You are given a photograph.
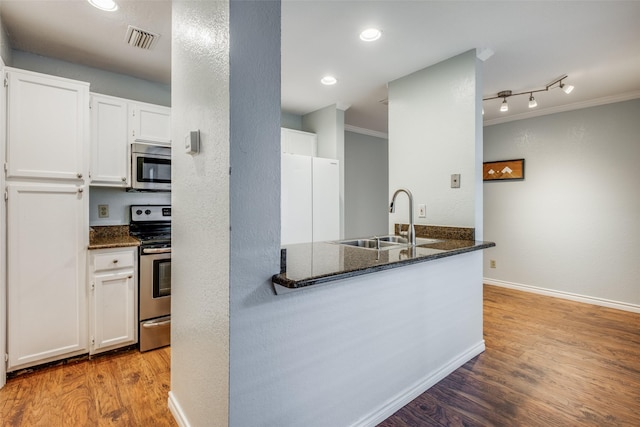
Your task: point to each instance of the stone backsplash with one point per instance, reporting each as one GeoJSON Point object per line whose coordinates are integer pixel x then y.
{"type": "Point", "coordinates": [439, 232]}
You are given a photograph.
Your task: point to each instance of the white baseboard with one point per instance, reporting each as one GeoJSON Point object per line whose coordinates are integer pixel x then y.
{"type": "Point", "coordinates": [634, 308]}
{"type": "Point", "coordinates": [400, 400]}
{"type": "Point", "coordinates": [177, 412]}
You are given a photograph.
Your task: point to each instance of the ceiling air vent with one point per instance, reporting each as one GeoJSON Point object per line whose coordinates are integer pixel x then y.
{"type": "Point", "coordinates": [137, 37]}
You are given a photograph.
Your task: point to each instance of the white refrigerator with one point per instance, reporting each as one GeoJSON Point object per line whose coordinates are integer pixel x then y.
{"type": "Point", "coordinates": [310, 199]}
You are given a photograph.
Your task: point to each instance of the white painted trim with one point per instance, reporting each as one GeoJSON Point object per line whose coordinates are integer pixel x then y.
{"type": "Point", "coordinates": [177, 412]}
{"type": "Point", "coordinates": [618, 305]}
{"type": "Point", "coordinates": [363, 131]}
{"type": "Point", "coordinates": [3, 237]}
{"type": "Point", "coordinates": [400, 400]}
{"type": "Point", "coordinates": [568, 107]}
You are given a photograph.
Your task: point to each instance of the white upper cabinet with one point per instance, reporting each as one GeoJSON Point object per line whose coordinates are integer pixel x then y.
{"type": "Point", "coordinates": [47, 126]}
{"type": "Point", "coordinates": [109, 144]}
{"type": "Point", "coordinates": [298, 142]}
{"type": "Point", "coordinates": [149, 123]}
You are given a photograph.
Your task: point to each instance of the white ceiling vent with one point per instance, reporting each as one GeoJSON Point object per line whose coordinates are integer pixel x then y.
{"type": "Point", "coordinates": [138, 37]}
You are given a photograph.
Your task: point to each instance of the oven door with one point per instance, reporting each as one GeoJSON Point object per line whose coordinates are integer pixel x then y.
{"type": "Point", "coordinates": [155, 283]}
{"type": "Point", "coordinates": [150, 172]}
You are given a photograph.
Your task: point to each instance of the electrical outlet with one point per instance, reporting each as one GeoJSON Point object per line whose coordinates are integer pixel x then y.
{"type": "Point", "coordinates": [422, 211]}
{"type": "Point", "coordinates": [455, 180]}
{"type": "Point", "coordinates": [103, 211]}
{"type": "Point", "coordinates": [492, 263]}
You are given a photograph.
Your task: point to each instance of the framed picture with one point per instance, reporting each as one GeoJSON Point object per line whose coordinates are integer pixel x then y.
{"type": "Point", "coordinates": [503, 170]}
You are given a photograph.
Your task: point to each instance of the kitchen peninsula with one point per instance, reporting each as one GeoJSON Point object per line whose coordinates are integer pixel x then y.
{"type": "Point", "coordinates": [310, 264]}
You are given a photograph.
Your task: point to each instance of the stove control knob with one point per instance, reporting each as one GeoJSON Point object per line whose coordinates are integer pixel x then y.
{"type": "Point", "coordinates": [138, 212]}
{"type": "Point", "coordinates": [148, 211]}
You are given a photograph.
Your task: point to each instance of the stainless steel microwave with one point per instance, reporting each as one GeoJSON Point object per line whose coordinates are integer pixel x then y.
{"type": "Point", "coordinates": [150, 167]}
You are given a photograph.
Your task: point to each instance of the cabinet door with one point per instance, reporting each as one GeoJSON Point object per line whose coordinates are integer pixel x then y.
{"type": "Point", "coordinates": [150, 123]}
{"type": "Point", "coordinates": [295, 200]}
{"type": "Point", "coordinates": [113, 306]}
{"type": "Point", "coordinates": [47, 238]}
{"type": "Point", "coordinates": [298, 142]}
{"type": "Point", "coordinates": [109, 144]}
{"type": "Point", "coordinates": [47, 130]}
{"type": "Point", "coordinates": [326, 199]}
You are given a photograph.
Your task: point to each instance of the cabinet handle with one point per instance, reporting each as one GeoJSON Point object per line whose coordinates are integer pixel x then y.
{"type": "Point", "coordinates": [115, 261]}
{"type": "Point", "coordinates": [130, 277]}
{"type": "Point", "coordinates": [79, 175]}
{"type": "Point", "coordinates": [80, 190]}
{"type": "Point", "coordinates": [124, 179]}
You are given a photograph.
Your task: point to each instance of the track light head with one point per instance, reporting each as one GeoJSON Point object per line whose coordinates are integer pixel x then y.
{"type": "Point", "coordinates": [532, 101]}
{"type": "Point", "coordinates": [504, 107]}
{"type": "Point", "coordinates": [566, 88]}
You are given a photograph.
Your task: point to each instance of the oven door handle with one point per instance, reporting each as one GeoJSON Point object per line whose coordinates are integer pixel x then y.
{"type": "Point", "coordinates": [156, 250]}
{"type": "Point", "coordinates": [156, 324]}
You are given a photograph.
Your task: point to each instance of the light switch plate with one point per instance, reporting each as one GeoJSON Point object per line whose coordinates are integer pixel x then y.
{"type": "Point", "coordinates": [422, 211]}
{"type": "Point", "coordinates": [455, 180]}
{"type": "Point", "coordinates": [192, 142]}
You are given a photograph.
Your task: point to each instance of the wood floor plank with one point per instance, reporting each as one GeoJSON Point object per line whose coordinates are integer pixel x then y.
{"type": "Point", "coordinates": [128, 389]}
{"type": "Point", "coordinates": [548, 362]}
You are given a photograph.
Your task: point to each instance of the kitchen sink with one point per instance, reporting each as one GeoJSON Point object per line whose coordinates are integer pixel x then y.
{"type": "Point", "coordinates": [394, 239]}
{"type": "Point", "coordinates": [404, 241]}
{"type": "Point", "coordinates": [368, 244]}
{"type": "Point", "coordinates": [385, 242]}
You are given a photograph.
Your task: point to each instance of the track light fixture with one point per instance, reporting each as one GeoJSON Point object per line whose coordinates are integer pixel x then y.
{"type": "Point", "coordinates": [532, 101]}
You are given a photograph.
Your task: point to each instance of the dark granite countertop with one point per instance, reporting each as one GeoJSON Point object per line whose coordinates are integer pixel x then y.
{"type": "Point", "coordinates": [111, 236]}
{"type": "Point", "coordinates": [309, 264]}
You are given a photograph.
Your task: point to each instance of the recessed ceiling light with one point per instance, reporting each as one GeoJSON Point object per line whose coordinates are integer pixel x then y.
{"type": "Point", "coordinates": [370, 35]}
{"type": "Point", "coordinates": [108, 5]}
{"type": "Point", "coordinates": [328, 80]}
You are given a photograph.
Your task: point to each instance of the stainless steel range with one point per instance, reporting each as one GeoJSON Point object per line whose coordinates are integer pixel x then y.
{"type": "Point", "coordinates": [152, 225]}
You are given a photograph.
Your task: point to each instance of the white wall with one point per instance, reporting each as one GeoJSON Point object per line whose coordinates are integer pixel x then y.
{"type": "Point", "coordinates": [328, 124]}
{"type": "Point", "coordinates": [366, 170]}
{"type": "Point", "coordinates": [200, 216]}
{"type": "Point", "coordinates": [433, 131]}
{"type": "Point", "coordinates": [119, 201]}
{"type": "Point", "coordinates": [572, 225]}
{"type": "Point", "coordinates": [353, 352]}
{"type": "Point", "coordinates": [105, 82]}
{"type": "Point", "coordinates": [291, 121]}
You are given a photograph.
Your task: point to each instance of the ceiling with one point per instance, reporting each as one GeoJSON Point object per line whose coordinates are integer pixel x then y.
{"type": "Point", "coordinates": [595, 43]}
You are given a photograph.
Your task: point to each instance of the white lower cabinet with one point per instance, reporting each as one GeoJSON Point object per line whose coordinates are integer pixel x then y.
{"type": "Point", "coordinates": [47, 236]}
{"type": "Point", "coordinates": [113, 316]}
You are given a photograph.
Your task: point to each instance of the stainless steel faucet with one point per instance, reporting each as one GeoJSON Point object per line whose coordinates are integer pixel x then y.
{"type": "Point", "coordinates": [411, 233]}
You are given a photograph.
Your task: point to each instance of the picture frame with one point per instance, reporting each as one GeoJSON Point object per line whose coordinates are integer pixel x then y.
{"type": "Point", "coordinates": [503, 170]}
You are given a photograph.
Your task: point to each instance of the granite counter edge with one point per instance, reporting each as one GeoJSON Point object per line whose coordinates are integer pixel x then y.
{"type": "Point", "coordinates": [283, 285]}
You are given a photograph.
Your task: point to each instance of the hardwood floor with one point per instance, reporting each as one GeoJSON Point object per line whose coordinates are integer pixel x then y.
{"type": "Point", "coordinates": [548, 362]}
{"type": "Point", "coordinates": [126, 389]}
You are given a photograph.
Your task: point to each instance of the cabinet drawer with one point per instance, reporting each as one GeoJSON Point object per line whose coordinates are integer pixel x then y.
{"type": "Point", "coordinates": [114, 260]}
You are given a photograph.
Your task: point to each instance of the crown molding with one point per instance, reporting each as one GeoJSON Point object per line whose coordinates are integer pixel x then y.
{"type": "Point", "coordinates": [563, 108]}
{"type": "Point", "coordinates": [364, 131]}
